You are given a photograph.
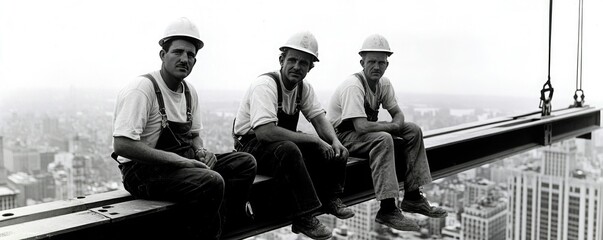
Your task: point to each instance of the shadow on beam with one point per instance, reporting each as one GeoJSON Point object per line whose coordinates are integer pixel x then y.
{"type": "Point", "coordinates": [450, 150]}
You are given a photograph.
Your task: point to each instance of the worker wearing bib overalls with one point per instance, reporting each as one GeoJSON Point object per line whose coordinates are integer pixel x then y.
{"type": "Point", "coordinates": [353, 111]}
{"type": "Point", "coordinates": [161, 156]}
{"type": "Point", "coordinates": [312, 168]}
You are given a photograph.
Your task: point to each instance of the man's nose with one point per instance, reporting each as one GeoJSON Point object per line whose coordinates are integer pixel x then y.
{"type": "Point", "coordinates": [296, 66]}
{"type": "Point", "coordinates": [184, 58]}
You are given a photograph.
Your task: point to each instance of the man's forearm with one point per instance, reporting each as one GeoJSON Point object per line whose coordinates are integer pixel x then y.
{"type": "Point", "coordinates": [197, 141]}
{"type": "Point", "coordinates": [138, 151]}
{"type": "Point", "coordinates": [272, 133]}
{"type": "Point", "coordinates": [362, 125]}
{"type": "Point", "coordinates": [324, 129]}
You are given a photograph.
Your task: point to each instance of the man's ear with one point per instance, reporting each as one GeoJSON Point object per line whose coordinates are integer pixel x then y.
{"type": "Point", "coordinates": [280, 60]}
{"type": "Point", "coordinates": [362, 62]}
{"type": "Point", "coordinates": [161, 54]}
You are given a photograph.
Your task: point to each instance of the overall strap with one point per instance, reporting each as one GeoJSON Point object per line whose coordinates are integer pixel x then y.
{"type": "Point", "coordinates": [187, 95]}
{"type": "Point", "coordinates": [164, 120]}
{"type": "Point", "coordinates": [366, 88]}
{"type": "Point", "coordinates": [274, 77]}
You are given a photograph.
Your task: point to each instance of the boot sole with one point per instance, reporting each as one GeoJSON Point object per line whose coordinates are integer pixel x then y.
{"type": "Point", "coordinates": [431, 215]}
{"type": "Point", "coordinates": [344, 216]}
{"type": "Point", "coordinates": [414, 229]}
{"type": "Point", "coordinates": [297, 231]}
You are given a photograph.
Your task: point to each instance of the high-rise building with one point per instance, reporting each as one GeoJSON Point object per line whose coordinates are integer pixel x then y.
{"type": "Point", "coordinates": [485, 219]}
{"type": "Point", "coordinates": [25, 160]}
{"type": "Point", "coordinates": [30, 189]}
{"type": "Point", "coordinates": [46, 158]}
{"type": "Point", "coordinates": [342, 233]}
{"type": "Point", "coordinates": [453, 196]}
{"type": "Point", "coordinates": [8, 195]}
{"type": "Point", "coordinates": [81, 175]}
{"type": "Point", "coordinates": [555, 201]}
{"type": "Point", "coordinates": [476, 189]}
{"type": "Point", "coordinates": [363, 223]}
{"type": "Point", "coordinates": [452, 232]}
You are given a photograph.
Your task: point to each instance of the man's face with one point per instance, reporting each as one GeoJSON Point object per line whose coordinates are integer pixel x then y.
{"type": "Point", "coordinates": [179, 60]}
{"type": "Point", "coordinates": [374, 65]}
{"type": "Point", "coordinates": [295, 65]}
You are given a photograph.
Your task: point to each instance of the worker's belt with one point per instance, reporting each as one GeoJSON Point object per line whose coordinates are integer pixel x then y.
{"type": "Point", "coordinates": [345, 125]}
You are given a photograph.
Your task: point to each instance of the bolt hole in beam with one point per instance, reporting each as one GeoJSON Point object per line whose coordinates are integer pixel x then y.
{"type": "Point", "coordinates": [105, 207]}
{"type": "Point", "coordinates": [7, 214]}
{"type": "Point", "coordinates": [81, 197]}
{"type": "Point", "coordinates": [103, 210]}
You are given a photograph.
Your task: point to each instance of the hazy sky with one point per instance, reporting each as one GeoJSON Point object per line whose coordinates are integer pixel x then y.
{"type": "Point", "coordinates": [487, 47]}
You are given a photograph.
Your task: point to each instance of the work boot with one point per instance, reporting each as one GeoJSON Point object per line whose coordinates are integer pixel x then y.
{"type": "Point", "coordinates": [394, 219]}
{"type": "Point", "coordinates": [422, 206]}
{"type": "Point", "coordinates": [336, 208]}
{"type": "Point", "coordinates": [311, 227]}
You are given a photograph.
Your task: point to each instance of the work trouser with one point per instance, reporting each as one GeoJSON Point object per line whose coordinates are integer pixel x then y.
{"type": "Point", "coordinates": [206, 190]}
{"type": "Point", "coordinates": [299, 169]}
{"type": "Point", "coordinates": [384, 151]}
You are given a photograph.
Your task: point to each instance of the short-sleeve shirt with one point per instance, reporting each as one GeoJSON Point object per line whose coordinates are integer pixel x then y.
{"type": "Point", "coordinates": [137, 114]}
{"type": "Point", "coordinates": [259, 105]}
{"type": "Point", "coordinates": [347, 101]}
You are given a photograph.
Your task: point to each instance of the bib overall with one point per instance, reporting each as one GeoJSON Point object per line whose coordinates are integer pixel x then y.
{"type": "Point", "coordinates": [211, 193]}
{"type": "Point", "coordinates": [301, 170]}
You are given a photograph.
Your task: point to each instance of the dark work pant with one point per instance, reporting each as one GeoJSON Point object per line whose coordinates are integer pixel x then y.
{"type": "Point", "coordinates": [205, 189]}
{"type": "Point", "coordinates": [301, 169]}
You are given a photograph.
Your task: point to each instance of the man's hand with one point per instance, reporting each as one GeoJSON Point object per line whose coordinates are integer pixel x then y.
{"type": "Point", "coordinates": [325, 149]}
{"type": "Point", "coordinates": [198, 164]}
{"type": "Point", "coordinates": [208, 158]}
{"type": "Point", "coordinates": [340, 151]}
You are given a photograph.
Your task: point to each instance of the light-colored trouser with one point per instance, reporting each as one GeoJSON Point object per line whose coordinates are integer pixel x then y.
{"type": "Point", "coordinates": [384, 151]}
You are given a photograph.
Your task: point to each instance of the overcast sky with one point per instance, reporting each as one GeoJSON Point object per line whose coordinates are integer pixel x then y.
{"type": "Point", "coordinates": [486, 47]}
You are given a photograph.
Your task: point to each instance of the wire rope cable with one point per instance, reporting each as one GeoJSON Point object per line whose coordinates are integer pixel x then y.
{"type": "Point", "coordinates": [579, 93]}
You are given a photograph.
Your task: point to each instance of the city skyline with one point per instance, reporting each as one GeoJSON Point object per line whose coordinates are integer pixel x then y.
{"type": "Point", "coordinates": [89, 117]}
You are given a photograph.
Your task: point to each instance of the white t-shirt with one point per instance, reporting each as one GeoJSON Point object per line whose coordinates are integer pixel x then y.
{"type": "Point", "coordinates": [259, 105]}
{"type": "Point", "coordinates": [348, 100]}
{"type": "Point", "coordinates": [137, 111]}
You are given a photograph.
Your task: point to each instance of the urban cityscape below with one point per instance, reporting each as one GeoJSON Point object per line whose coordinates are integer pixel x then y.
{"type": "Point", "coordinates": [58, 148]}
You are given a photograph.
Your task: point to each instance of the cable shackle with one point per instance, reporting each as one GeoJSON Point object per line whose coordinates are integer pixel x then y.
{"type": "Point", "coordinates": [545, 103]}
{"type": "Point", "coordinates": [578, 99]}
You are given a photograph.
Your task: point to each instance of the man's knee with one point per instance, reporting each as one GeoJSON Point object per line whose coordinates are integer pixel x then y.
{"type": "Point", "coordinates": [199, 184]}
{"type": "Point", "coordinates": [383, 139]}
{"type": "Point", "coordinates": [414, 129]}
{"type": "Point", "coordinates": [289, 155]}
{"type": "Point", "coordinates": [247, 164]}
{"type": "Point", "coordinates": [288, 149]}
{"type": "Point", "coordinates": [214, 181]}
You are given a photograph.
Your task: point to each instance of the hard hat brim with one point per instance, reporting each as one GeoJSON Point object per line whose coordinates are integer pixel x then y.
{"type": "Point", "coordinates": [389, 53]}
{"type": "Point", "coordinates": [301, 50]}
{"type": "Point", "coordinates": [199, 44]}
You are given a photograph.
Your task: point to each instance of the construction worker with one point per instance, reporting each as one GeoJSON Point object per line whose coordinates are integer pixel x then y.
{"type": "Point", "coordinates": [353, 111]}
{"type": "Point", "coordinates": [266, 127]}
{"type": "Point", "coordinates": [156, 129]}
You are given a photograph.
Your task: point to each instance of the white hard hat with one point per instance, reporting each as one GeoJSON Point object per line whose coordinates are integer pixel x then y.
{"type": "Point", "coordinates": [303, 41]}
{"type": "Point", "coordinates": [182, 27]}
{"type": "Point", "coordinates": [376, 43]}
